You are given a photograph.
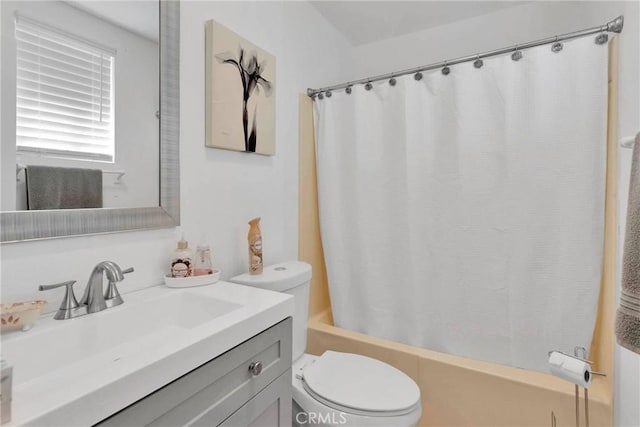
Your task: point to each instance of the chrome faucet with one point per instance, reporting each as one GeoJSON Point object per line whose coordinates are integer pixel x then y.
{"type": "Point", "coordinates": [95, 298]}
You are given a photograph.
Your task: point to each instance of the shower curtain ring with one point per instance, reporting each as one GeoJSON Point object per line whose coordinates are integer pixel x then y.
{"type": "Point", "coordinates": [392, 81]}
{"type": "Point", "coordinates": [417, 76]}
{"type": "Point", "coordinates": [446, 70]}
{"type": "Point", "coordinates": [368, 86]}
{"type": "Point", "coordinates": [557, 46]}
{"type": "Point", "coordinates": [478, 63]}
{"type": "Point", "coordinates": [517, 54]}
{"type": "Point", "coordinates": [602, 38]}
{"type": "Point", "coordinates": [348, 88]}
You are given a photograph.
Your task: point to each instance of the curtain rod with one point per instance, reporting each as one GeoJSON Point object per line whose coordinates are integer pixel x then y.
{"type": "Point", "coordinates": [614, 26]}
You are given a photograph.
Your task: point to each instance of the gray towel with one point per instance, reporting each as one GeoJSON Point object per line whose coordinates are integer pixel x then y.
{"type": "Point", "coordinates": [51, 187]}
{"type": "Point", "coordinates": [628, 316]}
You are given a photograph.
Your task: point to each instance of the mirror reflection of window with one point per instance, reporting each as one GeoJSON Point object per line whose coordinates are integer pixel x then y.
{"type": "Point", "coordinates": [81, 79]}
{"type": "Point", "coordinates": [64, 93]}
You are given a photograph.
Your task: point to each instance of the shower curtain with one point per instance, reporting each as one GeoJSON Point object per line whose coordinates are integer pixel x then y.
{"type": "Point", "coordinates": [465, 213]}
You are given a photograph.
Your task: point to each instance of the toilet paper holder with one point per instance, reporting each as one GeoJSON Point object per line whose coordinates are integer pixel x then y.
{"type": "Point", "coordinates": [583, 359]}
{"type": "Point", "coordinates": [577, 350]}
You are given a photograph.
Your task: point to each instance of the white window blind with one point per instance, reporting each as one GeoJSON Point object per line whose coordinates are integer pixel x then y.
{"type": "Point", "coordinates": [65, 94]}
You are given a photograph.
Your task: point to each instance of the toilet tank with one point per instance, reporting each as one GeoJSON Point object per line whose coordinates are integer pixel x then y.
{"type": "Point", "coordinates": [293, 278]}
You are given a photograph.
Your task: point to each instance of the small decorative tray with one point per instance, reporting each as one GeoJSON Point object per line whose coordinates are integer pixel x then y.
{"type": "Point", "coordinates": [188, 282]}
{"type": "Point", "coordinates": [20, 315]}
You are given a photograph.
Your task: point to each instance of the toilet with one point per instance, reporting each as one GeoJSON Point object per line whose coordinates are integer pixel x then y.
{"type": "Point", "coordinates": [337, 388]}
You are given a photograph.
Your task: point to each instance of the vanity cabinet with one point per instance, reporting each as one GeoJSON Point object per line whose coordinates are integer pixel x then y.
{"type": "Point", "coordinates": [249, 385]}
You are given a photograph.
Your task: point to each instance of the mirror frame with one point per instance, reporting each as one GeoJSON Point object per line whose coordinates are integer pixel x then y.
{"type": "Point", "coordinates": [19, 226]}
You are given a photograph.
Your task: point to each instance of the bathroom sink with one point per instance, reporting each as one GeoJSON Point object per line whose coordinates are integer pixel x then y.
{"type": "Point", "coordinates": [95, 365]}
{"type": "Point", "coordinates": [109, 333]}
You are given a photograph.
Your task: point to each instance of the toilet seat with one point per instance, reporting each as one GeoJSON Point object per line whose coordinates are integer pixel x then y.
{"type": "Point", "coordinates": [360, 385]}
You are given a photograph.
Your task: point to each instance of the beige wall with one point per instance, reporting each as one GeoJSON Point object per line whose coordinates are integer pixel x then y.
{"type": "Point", "coordinates": [457, 391]}
{"type": "Point", "coordinates": [309, 243]}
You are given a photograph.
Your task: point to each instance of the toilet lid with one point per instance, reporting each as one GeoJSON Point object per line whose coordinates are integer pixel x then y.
{"type": "Point", "coordinates": [360, 384]}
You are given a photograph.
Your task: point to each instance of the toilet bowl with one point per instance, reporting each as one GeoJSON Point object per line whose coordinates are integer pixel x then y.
{"type": "Point", "coordinates": [353, 390]}
{"type": "Point", "coordinates": [337, 388]}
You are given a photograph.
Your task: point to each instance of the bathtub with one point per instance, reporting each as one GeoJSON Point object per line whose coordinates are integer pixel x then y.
{"type": "Point", "coordinates": [458, 391]}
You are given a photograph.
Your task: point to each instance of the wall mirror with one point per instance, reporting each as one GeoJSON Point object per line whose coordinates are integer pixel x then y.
{"type": "Point", "coordinates": [90, 117]}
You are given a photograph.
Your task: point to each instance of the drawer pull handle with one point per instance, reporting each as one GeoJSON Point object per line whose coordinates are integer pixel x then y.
{"type": "Point", "coordinates": [255, 368]}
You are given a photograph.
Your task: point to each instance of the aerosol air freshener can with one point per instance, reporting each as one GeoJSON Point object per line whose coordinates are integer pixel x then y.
{"type": "Point", "coordinates": [255, 247]}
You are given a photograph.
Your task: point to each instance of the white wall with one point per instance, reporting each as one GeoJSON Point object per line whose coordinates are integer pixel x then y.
{"type": "Point", "coordinates": [220, 190]}
{"type": "Point", "coordinates": [136, 101]}
{"type": "Point", "coordinates": [519, 24]}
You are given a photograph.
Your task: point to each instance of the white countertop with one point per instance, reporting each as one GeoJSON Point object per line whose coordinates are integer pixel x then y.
{"type": "Point", "coordinates": [78, 372]}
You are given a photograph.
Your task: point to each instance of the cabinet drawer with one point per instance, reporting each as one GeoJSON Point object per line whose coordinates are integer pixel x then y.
{"type": "Point", "coordinates": [217, 388]}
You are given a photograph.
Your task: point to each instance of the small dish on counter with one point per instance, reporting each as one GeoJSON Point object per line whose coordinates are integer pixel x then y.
{"type": "Point", "coordinates": [20, 315]}
{"type": "Point", "coordinates": [188, 282]}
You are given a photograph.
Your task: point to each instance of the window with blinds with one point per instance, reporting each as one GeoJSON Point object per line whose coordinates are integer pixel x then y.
{"type": "Point", "coordinates": [65, 94]}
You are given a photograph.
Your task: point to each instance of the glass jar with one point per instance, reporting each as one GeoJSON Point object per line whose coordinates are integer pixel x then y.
{"type": "Point", "coordinates": [203, 261]}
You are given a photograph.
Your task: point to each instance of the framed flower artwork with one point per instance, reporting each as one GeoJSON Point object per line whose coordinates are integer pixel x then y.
{"type": "Point", "coordinates": [240, 93]}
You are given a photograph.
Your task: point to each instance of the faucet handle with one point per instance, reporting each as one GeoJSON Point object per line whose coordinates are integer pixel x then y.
{"type": "Point", "coordinates": [69, 304]}
{"type": "Point", "coordinates": [68, 284]}
{"type": "Point", "coordinates": [112, 296]}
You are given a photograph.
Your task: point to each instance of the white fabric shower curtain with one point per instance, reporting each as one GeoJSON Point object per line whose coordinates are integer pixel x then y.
{"type": "Point", "coordinates": [465, 213]}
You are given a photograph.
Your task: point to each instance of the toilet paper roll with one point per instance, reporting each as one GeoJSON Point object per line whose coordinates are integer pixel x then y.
{"type": "Point", "coordinates": [570, 368]}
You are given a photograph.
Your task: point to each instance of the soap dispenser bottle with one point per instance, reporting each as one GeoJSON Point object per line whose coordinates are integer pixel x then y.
{"type": "Point", "coordinates": [182, 260]}
{"type": "Point", "coordinates": [255, 247]}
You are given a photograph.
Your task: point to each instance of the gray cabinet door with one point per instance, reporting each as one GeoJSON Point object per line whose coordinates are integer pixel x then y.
{"type": "Point", "coordinates": [216, 389]}
{"type": "Point", "coordinates": [269, 408]}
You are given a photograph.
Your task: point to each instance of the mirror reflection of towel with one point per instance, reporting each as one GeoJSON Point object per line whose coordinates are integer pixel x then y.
{"type": "Point", "coordinates": [51, 187]}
